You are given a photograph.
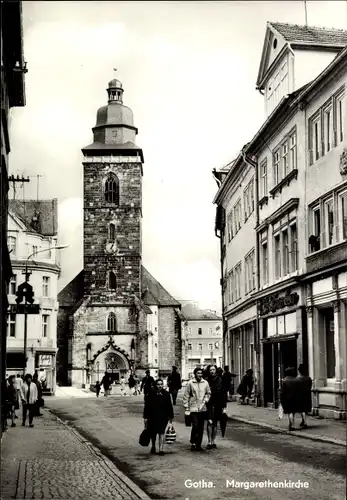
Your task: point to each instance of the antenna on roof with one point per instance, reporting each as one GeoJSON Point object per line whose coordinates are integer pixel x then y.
{"type": "Point", "coordinates": [305, 5]}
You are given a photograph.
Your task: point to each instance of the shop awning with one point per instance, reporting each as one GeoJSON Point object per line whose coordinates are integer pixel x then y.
{"type": "Point", "coordinates": [275, 339]}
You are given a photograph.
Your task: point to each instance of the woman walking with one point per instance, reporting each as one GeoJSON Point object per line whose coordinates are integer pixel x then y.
{"type": "Point", "coordinates": [29, 397]}
{"type": "Point", "coordinates": [215, 406]}
{"type": "Point", "coordinates": [289, 395]}
{"type": "Point", "coordinates": [157, 413]}
{"type": "Point", "coordinates": [11, 399]}
{"type": "Point", "coordinates": [246, 386]}
{"type": "Point", "coordinates": [304, 395]}
{"type": "Point", "coordinates": [39, 395]}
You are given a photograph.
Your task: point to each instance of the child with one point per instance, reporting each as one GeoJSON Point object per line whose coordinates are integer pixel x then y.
{"type": "Point", "coordinates": [97, 388]}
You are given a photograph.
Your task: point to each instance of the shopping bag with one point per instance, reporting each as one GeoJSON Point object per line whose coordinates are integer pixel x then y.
{"type": "Point", "coordinates": [280, 412]}
{"type": "Point", "coordinates": [145, 437]}
{"type": "Point", "coordinates": [170, 436]}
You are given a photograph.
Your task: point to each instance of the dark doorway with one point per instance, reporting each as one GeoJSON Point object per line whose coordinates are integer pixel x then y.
{"type": "Point", "coordinates": [288, 356]}
{"type": "Point", "coordinates": [114, 376]}
{"type": "Point", "coordinates": [270, 373]}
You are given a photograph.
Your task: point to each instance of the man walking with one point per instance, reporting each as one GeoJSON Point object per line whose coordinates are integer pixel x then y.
{"type": "Point", "coordinates": [196, 395]}
{"type": "Point", "coordinates": [29, 397]}
{"type": "Point", "coordinates": [226, 381]}
{"type": "Point", "coordinates": [174, 384]}
{"type": "Point", "coordinates": [147, 383]}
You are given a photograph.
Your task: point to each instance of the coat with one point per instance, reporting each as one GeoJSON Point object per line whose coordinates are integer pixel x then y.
{"type": "Point", "coordinates": [304, 394]}
{"type": "Point", "coordinates": [246, 386]}
{"type": "Point", "coordinates": [174, 381]}
{"type": "Point", "coordinates": [218, 399]}
{"type": "Point", "coordinates": [289, 395]}
{"type": "Point", "coordinates": [196, 395]}
{"type": "Point", "coordinates": [33, 395]}
{"type": "Point", "coordinates": [158, 409]}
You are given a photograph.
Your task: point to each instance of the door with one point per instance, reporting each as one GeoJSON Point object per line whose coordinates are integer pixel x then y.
{"type": "Point", "coordinates": [268, 375]}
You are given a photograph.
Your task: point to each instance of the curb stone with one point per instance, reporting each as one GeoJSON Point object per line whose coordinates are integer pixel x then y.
{"type": "Point", "coordinates": [108, 464]}
{"type": "Point", "coordinates": [305, 435]}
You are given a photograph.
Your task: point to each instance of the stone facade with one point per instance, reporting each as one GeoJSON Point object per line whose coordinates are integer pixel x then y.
{"type": "Point", "coordinates": [105, 316]}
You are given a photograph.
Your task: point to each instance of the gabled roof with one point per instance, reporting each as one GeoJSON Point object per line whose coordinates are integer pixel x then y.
{"type": "Point", "coordinates": [294, 33]}
{"type": "Point", "coordinates": [73, 292]}
{"type": "Point", "coordinates": [295, 36]}
{"type": "Point", "coordinates": [154, 292]}
{"type": "Point", "coordinates": [192, 312]}
{"type": "Point", "coordinates": [47, 210]}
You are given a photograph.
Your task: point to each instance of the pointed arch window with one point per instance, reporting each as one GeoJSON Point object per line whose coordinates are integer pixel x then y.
{"type": "Point", "coordinates": [112, 232]}
{"type": "Point", "coordinates": [112, 189]}
{"type": "Point", "coordinates": [112, 280]}
{"type": "Point", "coordinates": [112, 322]}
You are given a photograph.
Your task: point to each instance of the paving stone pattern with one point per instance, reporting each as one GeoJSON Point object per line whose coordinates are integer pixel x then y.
{"type": "Point", "coordinates": [52, 461]}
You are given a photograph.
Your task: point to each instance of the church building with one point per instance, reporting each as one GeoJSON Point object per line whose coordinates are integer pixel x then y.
{"type": "Point", "coordinates": [114, 317]}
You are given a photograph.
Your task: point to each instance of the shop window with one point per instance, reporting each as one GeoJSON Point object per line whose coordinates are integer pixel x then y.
{"type": "Point", "coordinates": [329, 342]}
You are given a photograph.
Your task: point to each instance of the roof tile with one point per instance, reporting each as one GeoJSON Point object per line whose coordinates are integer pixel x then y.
{"type": "Point", "coordinates": [311, 34]}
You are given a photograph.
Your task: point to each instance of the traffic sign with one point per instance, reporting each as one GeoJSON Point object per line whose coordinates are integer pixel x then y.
{"type": "Point", "coordinates": [25, 308]}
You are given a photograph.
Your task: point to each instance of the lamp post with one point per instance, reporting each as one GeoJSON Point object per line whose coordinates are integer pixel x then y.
{"type": "Point", "coordinates": [27, 273]}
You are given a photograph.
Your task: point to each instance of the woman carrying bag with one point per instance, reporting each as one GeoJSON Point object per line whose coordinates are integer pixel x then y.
{"type": "Point", "coordinates": [157, 413]}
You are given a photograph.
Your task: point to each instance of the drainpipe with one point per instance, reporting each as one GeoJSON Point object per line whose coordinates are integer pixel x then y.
{"type": "Point", "coordinates": [254, 164]}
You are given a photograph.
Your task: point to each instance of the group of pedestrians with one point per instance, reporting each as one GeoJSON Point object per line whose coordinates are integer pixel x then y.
{"type": "Point", "coordinates": [205, 398]}
{"type": "Point", "coordinates": [296, 395]}
{"type": "Point", "coordinates": [26, 392]}
{"type": "Point", "coordinates": [106, 383]}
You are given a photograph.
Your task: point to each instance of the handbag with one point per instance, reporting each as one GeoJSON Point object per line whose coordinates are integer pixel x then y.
{"type": "Point", "coordinates": [170, 436]}
{"type": "Point", "coordinates": [280, 412]}
{"type": "Point", "coordinates": [145, 437]}
{"type": "Point", "coordinates": [188, 420]}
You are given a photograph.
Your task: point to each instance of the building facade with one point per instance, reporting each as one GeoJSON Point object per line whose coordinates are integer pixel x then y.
{"type": "Point", "coordinates": [12, 94]}
{"type": "Point", "coordinates": [106, 319]}
{"type": "Point", "coordinates": [290, 204]}
{"type": "Point", "coordinates": [32, 236]}
{"type": "Point", "coordinates": [202, 338]}
{"type": "Point", "coordinates": [238, 242]}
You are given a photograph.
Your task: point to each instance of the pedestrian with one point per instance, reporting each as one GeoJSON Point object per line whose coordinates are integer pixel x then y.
{"type": "Point", "coordinates": [122, 386]}
{"type": "Point", "coordinates": [97, 388]}
{"type": "Point", "coordinates": [289, 395]}
{"type": "Point", "coordinates": [226, 381]}
{"type": "Point", "coordinates": [36, 381]}
{"type": "Point", "coordinates": [147, 383]}
{"type": "Point", "coordinates": [131, 384]}
{"type": "Point", "coordinates": [304, 394]}
{"type": "Point", "coordinates": [215, 406]}
{"type": "Point", "coordinates": [246, 386]}
{"type": "Point", "coordinates": [136, 386]}
{"type": "Point", "coordinates": [174, 384]}
{"type": "Point", "coordinates": [105, 382]}
{"type": "Point", "coordinates": [220, 372]}
{"type": "Point", "coordinates": [158, 411]}
{"type": "Point", "coordinates": [196, 395]}
{"type": "Point", "coordinates": [11, 400]}
{"type": "Point", "coordinates": [29, 397]}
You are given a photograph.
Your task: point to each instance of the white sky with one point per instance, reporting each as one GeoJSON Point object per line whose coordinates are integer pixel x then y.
{"type": "Point", "coordinates": [189, 71]}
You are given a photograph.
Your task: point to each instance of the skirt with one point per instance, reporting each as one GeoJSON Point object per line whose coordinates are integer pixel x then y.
{"type": "Point", "coordinates": [157, 426]}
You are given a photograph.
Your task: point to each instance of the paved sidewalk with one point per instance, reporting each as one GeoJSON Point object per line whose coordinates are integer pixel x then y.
{"type": "Point", "coordinates": [53, 461]}
{"type": "Point", "coordinates": [319, 429]}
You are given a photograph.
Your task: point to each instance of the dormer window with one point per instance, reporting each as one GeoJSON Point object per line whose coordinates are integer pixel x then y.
{"type": "Point", "coordinates": [112, 189]}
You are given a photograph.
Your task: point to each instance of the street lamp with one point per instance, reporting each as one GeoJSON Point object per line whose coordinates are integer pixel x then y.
{"type": "Point", "coordinates": [27, 274]}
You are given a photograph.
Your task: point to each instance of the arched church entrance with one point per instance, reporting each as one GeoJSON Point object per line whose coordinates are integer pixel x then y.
{"type": "Point", "coordinates": [112, 363]}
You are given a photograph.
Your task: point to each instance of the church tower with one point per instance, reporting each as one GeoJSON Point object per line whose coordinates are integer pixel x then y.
{"type": "Point", "coordinates": [112, 204]}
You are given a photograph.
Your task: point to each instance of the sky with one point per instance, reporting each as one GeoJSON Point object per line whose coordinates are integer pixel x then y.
{"type": "Point", "coordinates": [189, 71]}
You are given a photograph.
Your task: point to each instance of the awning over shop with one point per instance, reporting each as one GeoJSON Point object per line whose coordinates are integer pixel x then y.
{"type": "Point", "coordinates": [275, 339]}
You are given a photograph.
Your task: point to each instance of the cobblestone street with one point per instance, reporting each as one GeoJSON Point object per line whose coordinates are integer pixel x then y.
{"type": "Point", "coordinates": [52, 461]}
{"type": "Point", "coordinates": [247, 453]}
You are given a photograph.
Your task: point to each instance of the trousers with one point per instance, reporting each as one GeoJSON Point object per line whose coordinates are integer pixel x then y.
{"type": "Point", "coordinates": [198, 423]}
{"type": "Point", "coordinates": [28, 408]}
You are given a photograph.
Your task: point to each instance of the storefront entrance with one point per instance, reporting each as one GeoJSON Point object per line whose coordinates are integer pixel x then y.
{"type": "Point", "coordinates": [278, 354]}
